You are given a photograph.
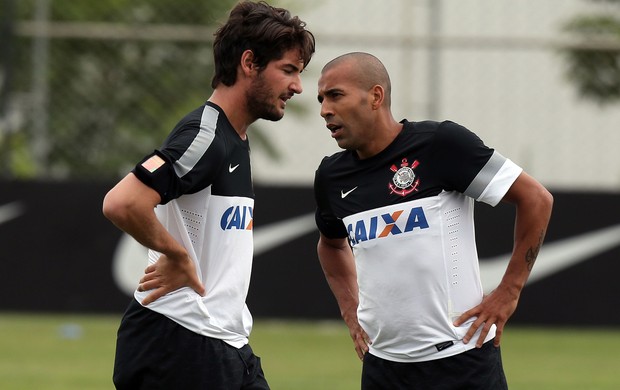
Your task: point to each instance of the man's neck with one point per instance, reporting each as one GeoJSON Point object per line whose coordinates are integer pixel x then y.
{"type": "Point", "coordinates": [233, 105]}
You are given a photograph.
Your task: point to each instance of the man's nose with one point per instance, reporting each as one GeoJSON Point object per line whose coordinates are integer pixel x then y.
{"type": "Point", "coordinates": [325, 109]}
{"type": "Point", "coordinates": [296, 85]}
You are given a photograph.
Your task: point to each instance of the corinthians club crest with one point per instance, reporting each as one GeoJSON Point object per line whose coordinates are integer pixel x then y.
{"type": "Point", "coordinates": [404, 181]}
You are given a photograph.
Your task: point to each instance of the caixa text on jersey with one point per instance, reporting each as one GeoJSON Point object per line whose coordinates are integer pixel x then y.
{"type": "Point", "coordinates": [382, 225]}
{"type": "Point", "coordinates": [237, 217]}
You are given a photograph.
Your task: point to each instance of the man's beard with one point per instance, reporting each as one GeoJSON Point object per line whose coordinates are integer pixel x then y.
{"type": "Point", "coordinates": [259, 101]}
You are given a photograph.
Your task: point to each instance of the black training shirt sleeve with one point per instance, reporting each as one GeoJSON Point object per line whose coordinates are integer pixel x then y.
{"type": "Point", "coordinates": [173, 178]}
{"type": "Point", "coordinates": [159, 175]}
{"type": "Point", "coordinates": [327, 223]}
{"type": "Point", "coordinates": [459, 155]}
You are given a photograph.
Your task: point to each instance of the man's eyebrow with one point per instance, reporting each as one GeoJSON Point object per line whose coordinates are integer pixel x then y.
{"type": "Point", "coordinates": [329, 92]}
{"type": "Point", "coordinates": [292, 66]}
{"type": "Point", "coordinates": [332, 91]}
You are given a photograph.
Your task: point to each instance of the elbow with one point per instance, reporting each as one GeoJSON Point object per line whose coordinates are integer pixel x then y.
{"type": "Point", "coordinates": [547, 200]}
{"type": "Point", "coordinates": [114, 208]}
{"type": "Point", "coordinates": [544, 204]}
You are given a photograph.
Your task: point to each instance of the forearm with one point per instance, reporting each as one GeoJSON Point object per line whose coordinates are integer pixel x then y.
{"type": "Point", "coordinates": [339, 268]}
{"type": "Point", "coordinates": [148, 231]}
{"type": "Point", "coordinates": [533, 210]}
{"type": "Point", "coordinates": [532, 217]}
{"type": "Point", "coordinates": [130, 206]}
{"type": "Point", "coordinates": [338, 265]}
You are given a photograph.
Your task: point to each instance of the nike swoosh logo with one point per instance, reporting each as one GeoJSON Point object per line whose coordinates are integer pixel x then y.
{"type": "Point", "coordinates": [126, 271]}
{"type": "Point", "coordinates": [231, 169]}
{"type": "Point", "coordinates": [11, 211]}
{"type": "Point", "coordinates": [554, 256]}
{"type": "Point", "coordinates": [276, 234]}
{"type": "Point", "coordinates": [344, 194]}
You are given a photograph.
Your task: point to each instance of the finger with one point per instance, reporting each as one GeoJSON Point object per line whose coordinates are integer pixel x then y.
{"type": "Point", "coordinates": [147, 284]}
{"type": "Point", "coordinates": [484, 333]}
{"type": "Point", "coordinates": [360, 353]}
{"type": "Point", "coordinates": [498, 335]}
{"type": "Point", "coordinates": [360, 345]}
{"type": "Point", "coordinates": [364, 346]}
{"type": "Point", "coordinates": [200, 289]}
{"type": "Point", "coordinates": [152, 297]}
{"type": "Point", "coordinates": [472, 331]}
{"type": "Point", "coordinates": [150, 268]}
{"type": "Point", "coordinates": [361, 348]}
{"type": "Point", "coordinates": [466, 316]}
{"type": "Point", "coordinates": [148, 276]}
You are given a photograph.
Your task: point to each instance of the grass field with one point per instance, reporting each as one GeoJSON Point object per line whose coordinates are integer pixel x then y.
{"type": "Point", "coordinates": [66, 352]}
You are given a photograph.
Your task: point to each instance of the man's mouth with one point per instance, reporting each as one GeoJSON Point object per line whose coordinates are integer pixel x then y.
{"type": "Point", "coordinates": [285, 98]}
{"type": "Point", "coordinates": [333, 127]}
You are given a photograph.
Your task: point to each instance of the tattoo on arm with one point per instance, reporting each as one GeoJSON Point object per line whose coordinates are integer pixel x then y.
{"type": "Point", "coordinates": [532, 253]}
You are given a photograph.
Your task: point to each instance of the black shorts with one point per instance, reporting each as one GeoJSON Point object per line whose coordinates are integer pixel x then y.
{"type": "Point", "coordinates": [478, 368]}
{"type": "Point", "coordinates": [154, 352]}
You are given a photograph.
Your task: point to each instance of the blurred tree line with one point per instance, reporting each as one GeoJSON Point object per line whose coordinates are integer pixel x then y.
{"type": "Point", "coordinates": [594, 67]}
{"type": "Point", "coordinates": [88, 87]}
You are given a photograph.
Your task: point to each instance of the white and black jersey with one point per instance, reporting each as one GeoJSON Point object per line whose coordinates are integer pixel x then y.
{"type": "Point", "coordinates": [202, 173]}
{"type": "Point", "coordinates": [408, 215]}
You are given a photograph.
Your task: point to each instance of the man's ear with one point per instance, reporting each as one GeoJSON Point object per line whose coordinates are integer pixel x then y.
{"type": "Point", "coordinates": [377, 94]}
{"type": "Point", "coordinates": [247, 62]}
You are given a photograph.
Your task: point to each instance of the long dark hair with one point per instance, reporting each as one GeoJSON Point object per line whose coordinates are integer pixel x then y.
{"type": "Point", "coordinates": [265, 30]}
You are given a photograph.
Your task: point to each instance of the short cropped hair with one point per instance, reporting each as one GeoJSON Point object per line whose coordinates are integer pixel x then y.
{"type": "Point", "coordinates": [267, 31]}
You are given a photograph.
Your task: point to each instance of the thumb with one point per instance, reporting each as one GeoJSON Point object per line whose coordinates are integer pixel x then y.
{"type": "Point", "coordinates": [199, 288]}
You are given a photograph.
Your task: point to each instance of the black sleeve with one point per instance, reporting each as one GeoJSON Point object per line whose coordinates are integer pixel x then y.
{"type": "Point", "coordinates": [158, 175]}
{"type": "Point", "coordinates": [459, 155]}
{"type": "Point", "coordinates": [326, 221]}
{"type": "Point", "coordinates": [171, 182]}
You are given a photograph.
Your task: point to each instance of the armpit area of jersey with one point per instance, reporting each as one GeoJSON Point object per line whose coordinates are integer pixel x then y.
{"type": "Point", "coordinates": [331, 229]}
{"type": "Point", "coordinates": [157, 172]}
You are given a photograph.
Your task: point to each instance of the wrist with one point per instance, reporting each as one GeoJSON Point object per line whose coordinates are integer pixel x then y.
{"type": "Point", "coordinates": [350, 315]}
{"type": "Point", "coordinates": [512, 288]}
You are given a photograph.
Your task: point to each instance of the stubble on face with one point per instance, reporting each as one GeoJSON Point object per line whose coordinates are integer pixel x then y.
{"type": "Point", "coordinates": [260, 100]}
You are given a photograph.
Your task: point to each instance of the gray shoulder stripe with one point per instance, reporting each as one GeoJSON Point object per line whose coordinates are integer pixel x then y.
{"type": "Point", "coordinates": [486, 174]}
{"type": "Point", "coordinates": [200, 144]}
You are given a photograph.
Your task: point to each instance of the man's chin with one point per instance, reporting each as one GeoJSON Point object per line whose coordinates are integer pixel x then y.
{"type": "Point", "coordinates": [343, 144]}
{"type": "Point", "coordinates": [273, 116]}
